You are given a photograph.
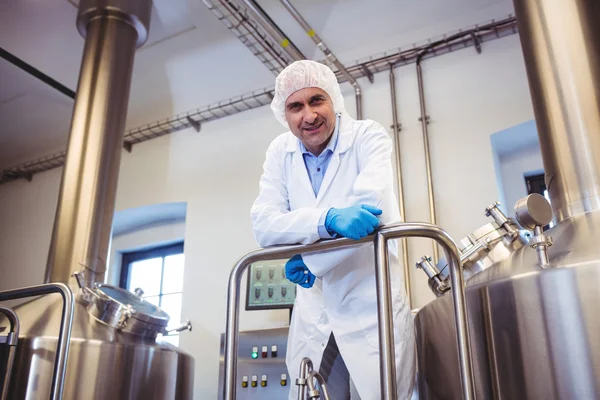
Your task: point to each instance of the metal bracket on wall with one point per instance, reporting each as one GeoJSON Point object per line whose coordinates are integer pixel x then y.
{"type": "Point", "coordinates": [476, 42]}
{"type": "Point", "coordinates": [398, 126]}
{"type": "Point", "coordinates": [195, 124]}
{"type": "Point", "coordinates": [367, 72]}
{"type": "Point", "coordinates": [427, 119]}
{"type": "Point", "coordinates": [128, 146]}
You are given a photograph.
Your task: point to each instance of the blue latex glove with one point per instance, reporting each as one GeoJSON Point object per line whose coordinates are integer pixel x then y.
{"type": "Point", "coordinates": [296, 271]}
{"type": "Point", "coordinates": [353, 222]}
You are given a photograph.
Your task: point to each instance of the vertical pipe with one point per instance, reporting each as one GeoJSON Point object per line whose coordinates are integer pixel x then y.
{"type": "Point", "coordinates": [82, 227]}
{"type": "Point", "coordinates": [561, 48]}
{"type": "Point", "coordinates": [385, 315]}
{"type": "Point", "coordinates": [424, 122]}
{"type": "Point", "coordinates": [330, 56]}
{"type": "Point", "coordinates": [401, 206]}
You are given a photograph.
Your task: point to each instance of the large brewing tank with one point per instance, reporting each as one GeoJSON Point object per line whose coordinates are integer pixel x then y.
{"type": "Point", "coordinates": [113, 351]}
{"type": "Point", "coordinates": [533, 317]}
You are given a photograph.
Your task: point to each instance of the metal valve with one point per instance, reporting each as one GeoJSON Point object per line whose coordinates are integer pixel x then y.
{"type": "Point", "coordinates": [438, 284]}
{"type": "Point", "coordinates": [494, 211]}
{"type": "Point", "coordinates": [184, 326]}
{"type": "Point", "coordinates": [534, 212]}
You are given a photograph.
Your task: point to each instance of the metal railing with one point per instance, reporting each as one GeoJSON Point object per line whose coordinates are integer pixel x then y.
{"type": "Point", "coordinates": [66, 324]}
{"type": "Point", "coordinates": [9, 340]}
{"type": "Point", "coordinates": [384, 300]}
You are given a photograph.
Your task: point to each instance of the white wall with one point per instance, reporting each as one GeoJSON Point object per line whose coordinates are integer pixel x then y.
{"type": "Point", "coordinates": [216, 171]}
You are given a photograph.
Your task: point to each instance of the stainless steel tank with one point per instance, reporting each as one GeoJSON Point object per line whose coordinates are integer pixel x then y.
{"type": "Point", "coordinates": [532, 317]}
{"type": "Point", "coordinates": [97, 341]}
{"type": "Point", "coordinates": [104, 361]}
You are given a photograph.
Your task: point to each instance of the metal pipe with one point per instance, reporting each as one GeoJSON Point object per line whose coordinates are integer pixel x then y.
{"type": "Point", "coordinates": [401, 206]}
{"type": "Point", "coordinates": [306, 366]}
{"type": "Point", "coordinates": [384, 302]}
{"type": "Point", "coordinates": [272, 29]}
{"type": "Point", "coordinates": [11, 58]}
{"type": "Point", "coordinates": [233, 296]}
{"type": "Point", "coordinates": [11, 341]}
{"type": "Point", "coordinates": [385, 316]}
{"type": "Point", "coordinates": [424, 122]}
{"type": "Point", "coordinates": [328, 54]}
{"type": "Point", "coordinates": [561, 48]}
{"type": "Point", "coordinates": [82, 228]}
{"type": "Point", "coordinates": [313, 393]}
{"type": "Point", "coordinates": [66, 325]}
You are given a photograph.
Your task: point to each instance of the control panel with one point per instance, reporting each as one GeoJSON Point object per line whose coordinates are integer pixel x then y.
{"type": "Point", "coordinates": [268, 287]}
{"type": "Point", "coordinates": [261, 370]}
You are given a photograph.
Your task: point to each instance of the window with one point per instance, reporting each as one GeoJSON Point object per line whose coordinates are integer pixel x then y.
{"type": "Point", "coordinates": [537, 184]}
{"type": "Point", "coordinates": [159, 273]}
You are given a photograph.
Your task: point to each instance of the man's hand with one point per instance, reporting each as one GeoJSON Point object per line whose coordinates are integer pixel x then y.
{"type": "Point", "coordinates": [353, 222]}
{"type": "Point", "coordinates": [297, 272]}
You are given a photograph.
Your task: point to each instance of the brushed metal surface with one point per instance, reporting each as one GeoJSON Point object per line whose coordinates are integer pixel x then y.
{"type": "Point", "coordinates": [534, 331]}
{"type": "Point", "coordinates": [102, 364]}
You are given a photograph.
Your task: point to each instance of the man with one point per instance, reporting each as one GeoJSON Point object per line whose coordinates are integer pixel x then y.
{"type": "Point", "coordinates": [331, 176]}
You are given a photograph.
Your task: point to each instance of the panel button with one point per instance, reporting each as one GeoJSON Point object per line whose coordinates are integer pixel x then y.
{"type": "Point", "coordinates": [274, 350]}
{"type": "Point", "coordinates": [254, 381]}
{"type": "Point", "coordinates": [263, 381]}
{"type": "Point", "coordinates": [283, 380]}
{"type": "Point", "coordinates": [255, 353]}
{"type": "Point", "coordinates": [244, 381]}
{"type": "Point", "coordinates": [265, 352]}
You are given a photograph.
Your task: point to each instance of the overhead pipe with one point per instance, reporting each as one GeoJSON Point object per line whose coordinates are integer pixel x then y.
{"type": "Point", "coordinates": [396, 130]}
{"type": "Point", "coordinates": [272, 29]}
{"type": "Point", "coordinates": [424, 122]}
{"type": "Point", "coordinates": [16, 61]}
{"type": "Point", "coordinates": [328, 54]}
{"type": "Point", "coordinates": [113, 29]}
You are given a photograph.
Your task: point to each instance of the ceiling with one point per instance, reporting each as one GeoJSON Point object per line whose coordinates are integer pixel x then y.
{"type": "Point", "coordinates": [191, 59]}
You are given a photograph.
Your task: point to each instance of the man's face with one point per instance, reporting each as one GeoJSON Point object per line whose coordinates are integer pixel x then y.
{"type": "Point", "coordinates": [309, 114]}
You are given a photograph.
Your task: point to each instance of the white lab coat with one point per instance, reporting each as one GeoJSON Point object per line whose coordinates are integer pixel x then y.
{"type": "Point", "coordinates": [343, 298]}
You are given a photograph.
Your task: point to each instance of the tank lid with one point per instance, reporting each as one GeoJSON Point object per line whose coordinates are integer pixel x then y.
{"type": "Point", "coordinates": [144, 310]}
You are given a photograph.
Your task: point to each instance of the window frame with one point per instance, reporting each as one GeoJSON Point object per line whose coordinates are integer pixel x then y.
{"type": "Point", "coordinates": [536, 183]}
{"type": "Point", "coordinates": [130, 257]}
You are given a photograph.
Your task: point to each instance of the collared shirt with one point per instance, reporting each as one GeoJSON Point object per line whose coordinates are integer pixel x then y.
{"type": "Point", "coordinates": [316, 166]}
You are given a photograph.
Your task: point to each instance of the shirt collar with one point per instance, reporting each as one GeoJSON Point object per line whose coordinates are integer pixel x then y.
{"type": "Point", "coordinates": [332, 142]}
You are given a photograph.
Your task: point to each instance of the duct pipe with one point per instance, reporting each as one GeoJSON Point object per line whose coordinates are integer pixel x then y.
{"type": "Point", "coordinates": [323, 47]}
{"type": "Point", "coordinates": [561, 48]}
{"type": "Point", "coordinates": [396, 130]}
{"type": "Point", "coordinates": [272, 29]}
{"type": "Point", "coordinates": [424, 123]}
{"type": "Point", "coordinates": [82, 227]}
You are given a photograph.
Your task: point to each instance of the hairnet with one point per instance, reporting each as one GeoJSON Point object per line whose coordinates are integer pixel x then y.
{"type": "Point", "coordinates": [304, 74]}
